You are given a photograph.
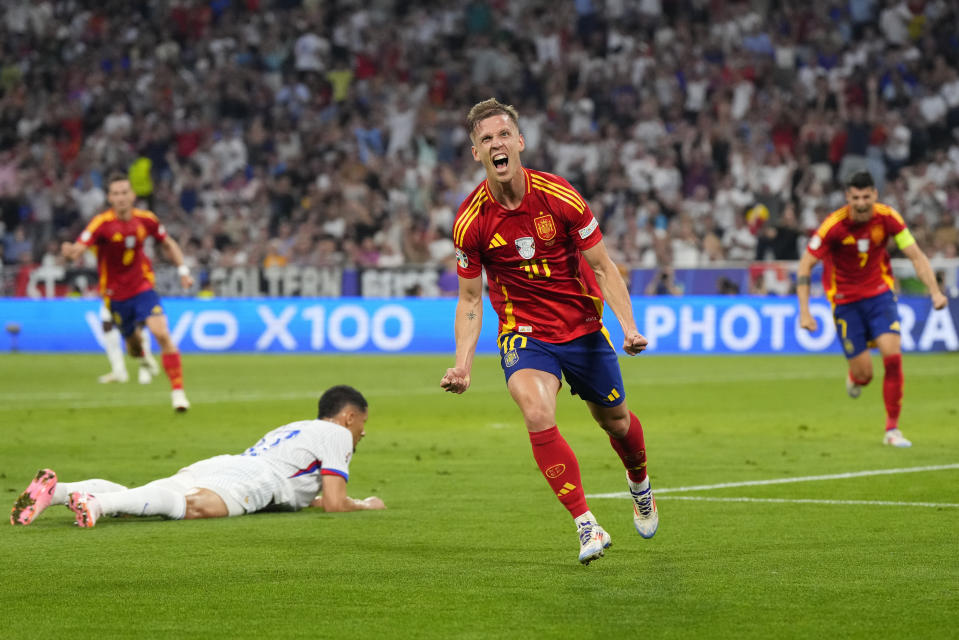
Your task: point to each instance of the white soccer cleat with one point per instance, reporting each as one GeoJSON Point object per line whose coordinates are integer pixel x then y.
{"type": "Point", "coordinates": [645, 513]}
{"type": "Point", "coordinates": [113, 376]}
{"type": "Point", "coordinates": [852, 388]}
{"type": "Point", "coordinates": [894, 438]}
{"type": "Point", "coordinates": [85, 507]}
{"type": "Point", "coordinates": [180, 403]}
{"type": "Point", "coordinates": [593, 542]}
{"type": "Point", "coordinates": [144, 375]}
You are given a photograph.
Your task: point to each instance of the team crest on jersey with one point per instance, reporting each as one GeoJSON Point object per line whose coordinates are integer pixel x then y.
{"type": "Point", "coordinates": [545, 228]}
{"type": "Point", "coordinates": [877, 235]}
{"type": "Point", "coordinates": [510, 358]}
{"type": "Point", "coordinates": [526, 247]}
{"type": "Point", "coordinates": [461, 259]}
{"type": "Point", "coordinates": [862, 245]}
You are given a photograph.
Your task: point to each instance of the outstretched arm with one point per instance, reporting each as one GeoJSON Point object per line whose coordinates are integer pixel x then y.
{"type": "Point", "coordinates": [926, 275]}
{"type": "Point", "coordinates": [466, 328]}
{"type": "Point", "coordinates": [334, 498]}
{"type": "Point", "coordinates": [72, 250]}
{"type": "Point", "coordinates": [176, 257]}
{"type": "Point", "coordinates": [614, 290]}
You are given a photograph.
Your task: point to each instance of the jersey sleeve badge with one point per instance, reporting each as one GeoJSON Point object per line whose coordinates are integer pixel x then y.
{"type": "Point", "coordinates": [588, 230]}
{"type": "Point", "coordinates": [461, 259]}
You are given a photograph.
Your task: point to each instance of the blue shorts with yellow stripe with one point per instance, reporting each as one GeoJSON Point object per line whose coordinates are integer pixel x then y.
{"type": "Point", "coordinates": [589, 364]}
{"type": "Point", "coordinates": [859, 323]}
{"type": "Point", "coordinates": [128, 314]}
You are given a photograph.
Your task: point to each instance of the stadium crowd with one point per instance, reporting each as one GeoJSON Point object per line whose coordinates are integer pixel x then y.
{"type": "Point", "coordinates": [331, 132]}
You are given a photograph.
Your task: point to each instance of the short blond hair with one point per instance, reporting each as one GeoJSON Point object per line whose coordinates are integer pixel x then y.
{"type": "Point", "coordinates": [487, 109]}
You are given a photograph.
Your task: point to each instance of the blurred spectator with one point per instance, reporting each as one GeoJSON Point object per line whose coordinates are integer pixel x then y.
{"type": "Point", "coordinates": [308, 132]}
{"type": "Point", "coordinates": [663, 284]}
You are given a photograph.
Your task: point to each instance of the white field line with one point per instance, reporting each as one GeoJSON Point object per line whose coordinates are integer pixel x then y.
{"type": "Point", "coordinates": [881, 503]}
{"type": "Point", "coordinates": [758, 483]}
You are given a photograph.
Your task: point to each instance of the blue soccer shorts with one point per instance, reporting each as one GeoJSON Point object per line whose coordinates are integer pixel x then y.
{"type": "Point", "coordinates": [589, 364]}
{"type": "Point", "coordinates": [128, 314]}
{"type": "Point", "coordinates": [859, 323]}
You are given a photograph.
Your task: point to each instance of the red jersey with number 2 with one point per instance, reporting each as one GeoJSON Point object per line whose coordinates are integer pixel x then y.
{"type": "Point", "coordinates": [125, 270]}
{"type": "Point", "coordinates": [855, 261]}
{"type": "Point", "coordinates": [539, 283]}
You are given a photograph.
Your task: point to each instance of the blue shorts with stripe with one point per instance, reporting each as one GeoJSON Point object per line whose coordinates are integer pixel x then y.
{"type": "Point", "coordinates": [589, 364]}
{"type": "Point", "coordinates": [129, 313]}
{"type": "Point", "coordinates": [859, 323]}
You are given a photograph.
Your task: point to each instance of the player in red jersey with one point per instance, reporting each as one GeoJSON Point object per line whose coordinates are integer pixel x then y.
{"type": "Point", "coordinates": [857, 277]}
{"type": "Point", "coordinates": [126, 275]}
{"type": "Point", "coordinates": [548, 273]}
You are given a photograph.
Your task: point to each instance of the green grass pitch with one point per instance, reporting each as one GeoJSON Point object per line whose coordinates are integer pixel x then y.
{"type": "Point", "coordinates": [473, 545]}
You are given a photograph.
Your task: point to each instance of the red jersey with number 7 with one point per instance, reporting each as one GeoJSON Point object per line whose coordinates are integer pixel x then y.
{"type": "Point", "coordinates": [855, 261]}
{"type": "Point", "coordinates": [539, 283]}
{"type": "Point", "coordinates": [125, 270]}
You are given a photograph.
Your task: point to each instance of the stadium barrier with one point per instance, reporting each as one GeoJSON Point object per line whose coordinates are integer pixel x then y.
{"type": "Point", "coordinates": [57, 281]}
{"type": "Point", "coordinates": [685, 324]}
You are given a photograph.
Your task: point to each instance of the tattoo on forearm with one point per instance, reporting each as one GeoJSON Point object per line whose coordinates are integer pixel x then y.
{"type": "Point", "coordinates": [802, 280]}
{"type": "Point", "coordinates": [471, 315]}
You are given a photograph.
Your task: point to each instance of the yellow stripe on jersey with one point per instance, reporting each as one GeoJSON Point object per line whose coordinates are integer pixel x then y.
{"type": "Point", "coordinates": [566, 195]}
{"type": "Point", "coordinates": [497, 241]}
{"type": "Point", "coordinates": [605, 333]}
{"type": "Point", "coordinates": [465, 220]}
{"type": "Point", "coordinates": [831, 291]}
{"type": "Point", "coordinates": [832, 220]}
{"type": "Point", "coordinates": [98, 221]}
{"type": "Point", "coordinates": [887, 277]}
{"type": "Point", "coordinates": [886, 210]}
{"type": "Point", "coordinates": [904, 239]}
{"type": "Point", "coordinates": [143, 213]}
{"type": "Point", "coordinates": [597, 303]}
{"type": "Point", "coordinates": [558, 186]}
{"type": "Point", "coordinates": [510, 323]}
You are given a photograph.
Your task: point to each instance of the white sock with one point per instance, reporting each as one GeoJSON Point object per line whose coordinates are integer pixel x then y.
{"type": "Point", "coordinates": [586, 518]}
{"type": "Point", "coordinates": [150, 500]}
{"type": "Point", "coordinates": [147, 350]}
{"type": "Point", "coordinates": [111, 343]}
{"type": "Point", "coordinates": [638, 487]}
{"type": "Point", "coordinates": [61, 494]}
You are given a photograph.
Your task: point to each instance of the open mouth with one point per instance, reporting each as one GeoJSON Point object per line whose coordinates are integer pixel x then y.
{"type": "Point", "coordinates": [500, 160]}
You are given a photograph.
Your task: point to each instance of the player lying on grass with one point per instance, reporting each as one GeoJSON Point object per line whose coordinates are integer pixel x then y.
{"type": "Point", "coordinates": [284, 471]}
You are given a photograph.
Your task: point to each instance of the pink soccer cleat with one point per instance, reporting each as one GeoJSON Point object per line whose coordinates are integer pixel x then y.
{"type": "Point", "coordinates": [86, 508]}
{"type": "Point", "coordinates": [35, 499]}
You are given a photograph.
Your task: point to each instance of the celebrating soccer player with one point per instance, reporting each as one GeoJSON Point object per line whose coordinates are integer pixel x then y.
{"type": "Point", "coordinates": [126, 275]}
{"type": "Point", "coordinates": [548, 273]}
{"type": "Point", "coordinates": [857, 277]}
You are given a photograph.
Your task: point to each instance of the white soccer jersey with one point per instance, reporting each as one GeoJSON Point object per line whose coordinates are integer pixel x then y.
{"type": "Point", "coordinates": [299, 454]}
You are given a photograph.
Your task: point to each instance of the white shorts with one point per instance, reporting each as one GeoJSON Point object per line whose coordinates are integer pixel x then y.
{"type": "Point", "coordinates": [244, 483]}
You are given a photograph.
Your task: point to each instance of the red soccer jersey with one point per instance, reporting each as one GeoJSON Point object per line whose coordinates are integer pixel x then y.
{"type": "Point", "coordinates": [855, 260]}
{"type": "Point", "coordinates": [124, 268]}
{"type": "Point", "coordinates": [539, 283]}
